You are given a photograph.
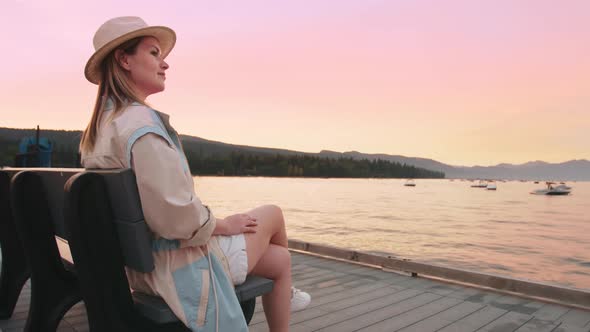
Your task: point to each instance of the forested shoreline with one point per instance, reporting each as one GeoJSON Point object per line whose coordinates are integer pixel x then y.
{"type": "Point", "coordinates": [214, 158]}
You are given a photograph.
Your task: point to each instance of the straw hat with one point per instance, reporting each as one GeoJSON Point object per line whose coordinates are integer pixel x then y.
{"type": "Point", "coordinates": [118, 30]}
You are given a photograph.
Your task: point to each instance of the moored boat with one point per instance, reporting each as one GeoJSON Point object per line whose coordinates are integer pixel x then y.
{"type": "Point", "coordinates": [553, 191]}
{"type": "Point", "coordinates": [480, 184]}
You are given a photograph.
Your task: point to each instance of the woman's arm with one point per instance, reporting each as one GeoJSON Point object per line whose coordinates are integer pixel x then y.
{"type": "Point", "coordinates": [170, 206]}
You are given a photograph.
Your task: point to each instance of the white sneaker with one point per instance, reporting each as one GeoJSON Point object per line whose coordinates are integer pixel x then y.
{"type": "Point", "coordinates": [299, 300]}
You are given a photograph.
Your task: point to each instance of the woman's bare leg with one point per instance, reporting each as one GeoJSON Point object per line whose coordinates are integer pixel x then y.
{"type": "Point", "coordinates": [275, 264]}
{"type": "Point", "coordinates": [268, 257]}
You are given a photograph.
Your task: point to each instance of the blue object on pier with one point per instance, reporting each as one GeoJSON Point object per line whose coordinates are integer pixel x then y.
{"type": "Point", "coordinates": [35, 152]}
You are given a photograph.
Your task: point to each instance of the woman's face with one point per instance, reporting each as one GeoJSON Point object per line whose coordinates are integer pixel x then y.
{"type": "Point", "coordinates": [146, 68]}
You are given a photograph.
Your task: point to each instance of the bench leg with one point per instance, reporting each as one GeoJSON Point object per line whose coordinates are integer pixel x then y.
{"type": "Point", "coordinates": [248, 307]}
{"type": "Point", "coordinates": [13, 277]}
{"type": "Point", "coordinates": [50, 300]}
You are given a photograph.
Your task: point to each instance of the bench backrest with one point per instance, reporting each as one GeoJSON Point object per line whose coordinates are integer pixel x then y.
{"type": "Point", "coordinates": [134, 234]}
{"type": "Point", "coordinates": [52, 182]}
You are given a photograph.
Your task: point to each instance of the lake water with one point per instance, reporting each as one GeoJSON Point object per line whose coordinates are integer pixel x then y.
{"type": "Point", "coordinates": [507, 232]}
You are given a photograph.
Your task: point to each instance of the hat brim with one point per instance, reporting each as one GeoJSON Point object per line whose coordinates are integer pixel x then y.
{"type": "Point", "coordinates": [165, 35]}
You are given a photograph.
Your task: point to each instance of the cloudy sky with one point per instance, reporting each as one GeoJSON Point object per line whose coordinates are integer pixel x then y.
{"type": "Point", "coordinates": [460, 81]}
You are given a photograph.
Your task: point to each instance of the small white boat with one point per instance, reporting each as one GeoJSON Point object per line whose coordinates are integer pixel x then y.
{"type": "Point", "coordinates": [491, 186]}
{"type": "Point", "coordinates": [480, 184]}
{"type": "Point", "coordinates": [553, 191]}
{"type": "Point", "coordinates": [410, 183]}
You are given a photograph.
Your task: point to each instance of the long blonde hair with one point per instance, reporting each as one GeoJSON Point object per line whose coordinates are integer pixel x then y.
{"type": "Point", "coordinates": [114, 85]}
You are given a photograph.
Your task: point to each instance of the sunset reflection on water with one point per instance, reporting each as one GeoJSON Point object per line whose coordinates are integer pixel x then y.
{"type": "Point", "coordinates": [508, 232]}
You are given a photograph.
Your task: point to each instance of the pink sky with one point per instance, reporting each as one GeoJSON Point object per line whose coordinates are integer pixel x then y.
{"type": "Point", "coordinates": [463, 82]}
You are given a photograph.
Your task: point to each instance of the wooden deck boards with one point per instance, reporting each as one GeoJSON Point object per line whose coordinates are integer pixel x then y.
{"type": "Point", "coordinates": [349, 297]}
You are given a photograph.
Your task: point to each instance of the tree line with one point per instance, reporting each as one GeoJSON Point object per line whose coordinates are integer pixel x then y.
{"type": "Point", "coordinates": [240, 164]}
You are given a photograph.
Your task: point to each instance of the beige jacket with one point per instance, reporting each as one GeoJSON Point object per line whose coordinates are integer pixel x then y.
{"type": "Point", "coordinates": [143, 139]}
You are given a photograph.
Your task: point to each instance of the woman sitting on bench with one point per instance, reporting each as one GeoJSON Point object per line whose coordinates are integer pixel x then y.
{"type": "Point", "coordinates": [197, 256]}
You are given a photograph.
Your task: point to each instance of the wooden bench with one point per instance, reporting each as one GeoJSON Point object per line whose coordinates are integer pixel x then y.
{"type": "Point", "coordinates": [79, 240]}
{"type": "Point", "coordinates": [15, 270]}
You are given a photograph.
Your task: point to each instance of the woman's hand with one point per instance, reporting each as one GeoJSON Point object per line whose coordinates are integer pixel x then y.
{"type": "Point", "coordinates": [237, 224]}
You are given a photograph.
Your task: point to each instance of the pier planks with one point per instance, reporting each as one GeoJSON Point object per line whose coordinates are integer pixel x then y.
{"type": "Point", "coordinates": [350, 297]}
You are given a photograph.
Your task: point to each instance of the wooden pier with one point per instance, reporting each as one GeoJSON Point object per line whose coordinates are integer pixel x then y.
{"type": "Point", "coordinates": [352, 297]}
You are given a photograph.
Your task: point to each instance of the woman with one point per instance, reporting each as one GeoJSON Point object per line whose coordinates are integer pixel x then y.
{"type": "Point", "coordinates": [196, 254]}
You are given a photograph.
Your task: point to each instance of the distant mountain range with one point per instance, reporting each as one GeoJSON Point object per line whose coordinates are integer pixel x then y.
{"type": "Point", "coordinates": [573, 170]}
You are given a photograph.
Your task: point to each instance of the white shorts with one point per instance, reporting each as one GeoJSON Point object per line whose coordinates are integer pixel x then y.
{"type": "Point", "coordinates": [234, 248]}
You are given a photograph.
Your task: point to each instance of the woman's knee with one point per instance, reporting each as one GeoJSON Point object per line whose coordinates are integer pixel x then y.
{"type": "Point", "coordinates": [276, 212]}
{"type": "Point", "coordinates": [275, 263]}
{"type": "Point", "coordinates": [281, 256]}
{"type": "Point", "coordinates": [284, 259]}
